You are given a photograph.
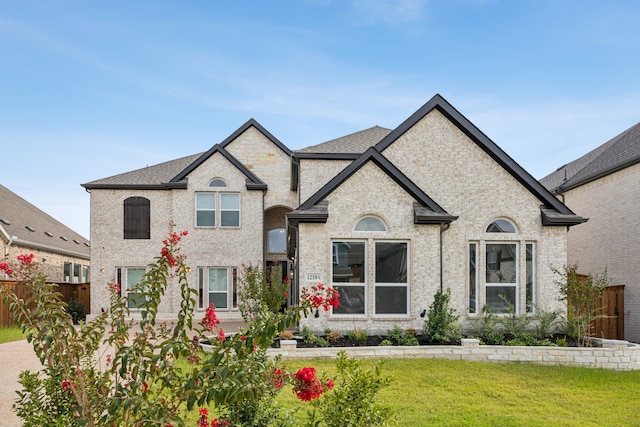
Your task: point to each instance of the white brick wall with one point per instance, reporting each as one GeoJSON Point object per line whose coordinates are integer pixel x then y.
{"type": "Point", "coordinates": [611, 238]}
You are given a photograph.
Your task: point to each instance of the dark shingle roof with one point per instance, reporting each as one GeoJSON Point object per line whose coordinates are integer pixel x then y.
{"type": "Point", "coordinates": [156, 175]}
{"type": "Point", "coordinates": [616, 154]}
{"type": "Point", "coordinates": [29, 226]}
{"type": "Point", "coordinates": [355, 143]}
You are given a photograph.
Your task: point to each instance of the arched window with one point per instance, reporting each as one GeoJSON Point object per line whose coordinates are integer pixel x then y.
{"type": "Point", "coordinates": [137, 218]}
{"type": "Point", "coordinates": [217, 183]}
{"type": "Point", "coordinates": [370, 223]}
{"type": "Point", "coordinates": [501, 226]}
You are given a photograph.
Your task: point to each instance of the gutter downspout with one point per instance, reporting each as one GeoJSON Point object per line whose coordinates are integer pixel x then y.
{"type": "Point", "coordinates": [443, 228]}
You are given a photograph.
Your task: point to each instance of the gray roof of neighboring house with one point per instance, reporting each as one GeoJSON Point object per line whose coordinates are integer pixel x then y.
{"type": "Point", "coordinates": [355, 143]}
{"type": "Point", "coordinates": [152, 176]}
{"type": "Point", "coordinates": [26, 225]}
{"type": "Point", "coordinates": [618, 153]}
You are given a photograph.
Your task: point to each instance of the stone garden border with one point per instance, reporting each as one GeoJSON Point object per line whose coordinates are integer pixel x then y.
{"type": "Point", "coordinates": [613, 354]}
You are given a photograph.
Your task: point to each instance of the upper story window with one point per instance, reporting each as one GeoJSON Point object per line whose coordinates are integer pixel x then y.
{"type": "Point", "coordinates": [277, 240]}
{"type": "Point", "coordinates": [217, 208]}
{"type": "Point", "coordinates": [137, 218]}
{"type": "Point", "coordinates": [370, 223]}
{"type": "Point", "coordinates": [501, 226]}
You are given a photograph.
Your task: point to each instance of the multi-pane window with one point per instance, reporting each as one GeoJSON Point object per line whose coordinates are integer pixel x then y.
{"type": "Point", "coordinates": [137, 218]}
{"type": "Point", "coordinates": [229, 209]}
{"type": "Point", "coordinates": [128, 278]}
{"type": "Point", "coordinates": [205, 209]}
{"type": "Point", "coordinates": [217, 286]}
{"type": "Point", "coordinates": [391, 290]}
{"type": "Point", "coordinates": [76, 273]}
{"type": "Point", "coordinates": [387, 282]}
{"type": "Point", "coordinates": [349, 276]}
{"type": "Point", "coordinates": [502, 269]}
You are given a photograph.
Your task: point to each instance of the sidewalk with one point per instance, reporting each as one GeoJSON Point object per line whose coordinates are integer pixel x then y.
{"type": "Point", "coordinates": [15, 357]}
{"type": "Point", "coordinates": [18, 356]}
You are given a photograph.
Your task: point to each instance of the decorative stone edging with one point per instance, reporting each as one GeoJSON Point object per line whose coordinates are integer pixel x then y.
{"type": "Point", "coordinates": [614, 354]}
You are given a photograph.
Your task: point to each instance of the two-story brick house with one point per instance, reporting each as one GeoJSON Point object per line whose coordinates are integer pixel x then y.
{"type": "Point", "coordinates": [387, 216]}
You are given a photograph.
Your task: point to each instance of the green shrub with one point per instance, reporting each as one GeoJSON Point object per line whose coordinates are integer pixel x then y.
{"type": "Point", "coordinates": [395, 334]}
{"type": "Point", "coordinates": [358, 335]}
{"type": "Point", "coordinates": [547, 324]}
{"type": "Point", "coordinates": [76, 310]}
{"type": "Point", "coordinates": [386, 343]}
{"type": "Point", "coordinates": [485, 327]}
{"type": "Point", "coordinates": [353, 401]}
{"type": "Point", "coordinates": [408, 339]}
{"type": "Point", "coordinates": [513, 324]}
{"type": "Point", "coordinates": [441, 325]}
{"type": "Point", "coordinates": [581, 294]}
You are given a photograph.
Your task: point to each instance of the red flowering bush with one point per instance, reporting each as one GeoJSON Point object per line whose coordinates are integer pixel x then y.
{"type": "Point", "coordinates": [321, 296]}
{"type": "Point", "coordinates": [137, 380]}
{"type": "Point", "coordinates": [306, 385]}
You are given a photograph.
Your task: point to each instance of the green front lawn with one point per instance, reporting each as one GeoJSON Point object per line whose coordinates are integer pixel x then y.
{"type": "Point", "coordinates": [11, 333]}
{"type": "Point", "coordinates": [427, 392]}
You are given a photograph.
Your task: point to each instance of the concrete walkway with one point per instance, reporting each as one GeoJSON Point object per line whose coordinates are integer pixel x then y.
{"type": "Point", "coordinates": [15, 357]}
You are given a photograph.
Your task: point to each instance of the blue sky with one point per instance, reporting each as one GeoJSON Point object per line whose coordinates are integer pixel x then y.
{"type": "Point", "coordinates": [92, 89]}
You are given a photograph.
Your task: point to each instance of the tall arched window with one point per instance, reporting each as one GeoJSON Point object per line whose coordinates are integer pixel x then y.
{"type": "Point", "coordinates": [502, 270]}
{"type": "Point", "coordinates": [137, 218]}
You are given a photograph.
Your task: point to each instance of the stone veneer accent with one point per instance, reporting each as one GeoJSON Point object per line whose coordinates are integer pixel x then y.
{"type": "Point", "coordinates": [614, 354]}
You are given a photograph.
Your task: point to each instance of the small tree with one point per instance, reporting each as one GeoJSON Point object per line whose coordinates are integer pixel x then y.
{"type": "Point", "coordinates": [581, 294]}
{"type": "Point", "coordinates": [442, 321]}
{"type": "Point", "coordinates": [261, 290]}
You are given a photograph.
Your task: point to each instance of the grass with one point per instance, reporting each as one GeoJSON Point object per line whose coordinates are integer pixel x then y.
{"type": "Point", "coordinates": [426, 392]}
{"type": "Point", "coordinates": [11, 333]}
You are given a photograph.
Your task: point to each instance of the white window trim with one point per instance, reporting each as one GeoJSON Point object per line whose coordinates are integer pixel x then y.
{"type": "Point", "coordinates": [125, 288]}
{"type": "Point", "coordinates": [239, 210]}
{"type": "Point", "coordinates": [335, 258]}
{"type": "Point", "coordinates": [404, 285]}
{"type": "Point", "coordinates": [202, 283]}
{"type": "Point", "coordinates": [217, 210]}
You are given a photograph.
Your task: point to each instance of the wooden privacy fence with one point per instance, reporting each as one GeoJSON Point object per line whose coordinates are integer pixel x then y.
{"type": "Point", "coordinates": [611, 324]}
{"type": "Point", "coordinates": [80, 292]}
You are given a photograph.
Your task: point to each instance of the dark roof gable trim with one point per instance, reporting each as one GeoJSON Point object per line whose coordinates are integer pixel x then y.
{"type": "Point", "coordinates": [261, 129]}
{"type": "Point", "coordinates": [486, 144]}
{"type": "Point", "coordinates": [392, 171]}
{"type": "Point", "coordinates": [253, 182]}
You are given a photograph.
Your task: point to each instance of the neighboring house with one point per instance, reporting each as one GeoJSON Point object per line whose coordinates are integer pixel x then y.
{"type": "Point", "coordinates": [604, 185]}
{"type": "Point", "coordinates": [24, 229]}
{"type": "Point", "coordinates": [387, 216]}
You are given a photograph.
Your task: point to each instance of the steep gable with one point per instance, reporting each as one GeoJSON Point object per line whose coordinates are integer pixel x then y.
{"type": "Point", "coordinates": [426, 211]}
{"type": "Point", "coordinates": [562, 215]}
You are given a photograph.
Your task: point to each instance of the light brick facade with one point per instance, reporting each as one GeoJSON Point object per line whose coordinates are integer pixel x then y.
{"type": "Point", "coordinates": [611, 239]}
{"type": "Point", "coordinates": [436, 183]}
